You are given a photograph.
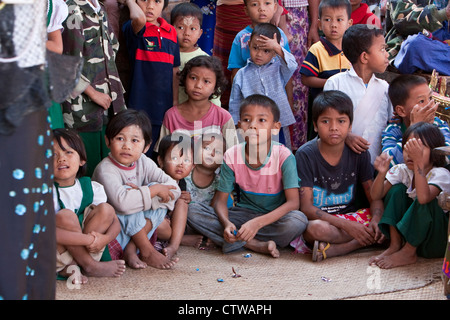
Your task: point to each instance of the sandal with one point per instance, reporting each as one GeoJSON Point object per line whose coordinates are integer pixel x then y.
{"type": "Point", "coordinates": [317, 250]}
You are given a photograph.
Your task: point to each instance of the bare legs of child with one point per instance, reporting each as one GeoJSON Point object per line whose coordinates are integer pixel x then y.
{"type": "Point", "coordinates": [99, 220]}
{"type": "Point", "coordinates": [396, 254]}
{"type": "Point", "coordinates": [148, 255]}
{"type": "Point", "coordinates": [332, 241]}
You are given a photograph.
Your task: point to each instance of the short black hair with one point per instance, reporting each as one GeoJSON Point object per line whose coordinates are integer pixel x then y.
{"type": "Point", "coordinates": [74, 141]}
{"type": "Point", "coordinates": [400, 88]}
{"type": "Point", "coordinates": [333, 99]}
{"type": "Point", "coordinates": [431, 136]}
{"type": "Point", "coordinates": [127, 118]}
{"type": "Point", "coordinates": [263, 101]}
{"type": "Point", "coordinates": [336, 4]}
{"type": "Point", "coordinates": [358, 39]}
{"type": "Point", "coordinates": [174, 139]}
{"type": "Point", "coordinates": [266, 29]}
{"type": "Point", "coordinates": [186, 9]}
{"type": "Point", "coordinates": [210, 62]}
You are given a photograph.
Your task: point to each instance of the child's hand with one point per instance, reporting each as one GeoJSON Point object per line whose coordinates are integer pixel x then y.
{"type": "Point", "coordinates": [268, 43]}
{"type": "Point", "coordinates": [248, 230]}
{"type": "Point", "coordinates": [356, 143]}
{"type": "Point", "coordinates": [163, 192]}
{"type": "Point", "coordinates": [100, 241]}
{"type": "Point", "coordinates": [186, 196]}
{"type": "Point", "coordinates": [381, 163]}
{"type": "Point", "coordinates": [364, 235]}
{"type": "Point", "coordinates": [414, 150]}
{"type": "Point", "coordinates": [102, 99]}
{"type": "Point", "coordinates": [425, 113]}
{"type": "Point", "coordinates": [229, 233]}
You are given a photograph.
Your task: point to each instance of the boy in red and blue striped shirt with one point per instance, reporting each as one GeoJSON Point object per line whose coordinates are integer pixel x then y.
{"type": "Point", "coordinates": [155, 57]}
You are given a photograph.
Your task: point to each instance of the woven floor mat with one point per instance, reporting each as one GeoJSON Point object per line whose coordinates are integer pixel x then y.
{"type": "Point", "coordinates": [292, 276]}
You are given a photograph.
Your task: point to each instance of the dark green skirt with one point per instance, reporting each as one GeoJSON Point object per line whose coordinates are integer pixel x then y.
{"type": "Point", "coordinates": [424, 226]}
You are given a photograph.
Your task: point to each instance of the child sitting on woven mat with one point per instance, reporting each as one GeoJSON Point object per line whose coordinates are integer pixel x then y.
{"type": "Point", "coordinates": [413, 220]}
{"type": "Point", "coordinates": [266, 215]}
{"type": "Point", "coordinates": [330, 174]}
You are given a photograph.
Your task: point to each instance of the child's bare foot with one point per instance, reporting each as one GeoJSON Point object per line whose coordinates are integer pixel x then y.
{"type": "Point", "coordinates": [159, 260]}
{"type": "Point", "coordinates": [132, 260]}
{"type": "Point", "coordinates": [269, 247]}
{"type": "Point", "coordinates": [400, 258]}
{"type": "Point", "coordinates": [73, 272]}
{"type": "Point", "coordinates": [192, 240]}
{"type": "Point", "coordinates": [170, 251]}
{"type": "Point", "coordinates": [113, 268]}
{"type": "Point", "coordinates": [210, 244]}
{"type": "Point", "coordinates": [392, 249]}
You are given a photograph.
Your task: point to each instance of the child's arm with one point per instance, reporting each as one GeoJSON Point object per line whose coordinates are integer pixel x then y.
{"type": "Point", "coordinates": [54, 41]}
{"type": "Point", "coordinates": [391, 143]}
{"type": "Point", "coordinates": [249, 229]}
{"type": "Point", "coordinates": [380, 185]}
{"type": "Point", "coordinates": [71, 238]}
{"type": "Point", "coordinates": [176, 83]}
{"type": "Point", "coordinates": [270, 44]}
{"type": "Point", "coordinates": [137, 16]}
{"type": "Point", "coordinates": [313, 82]}
{"type": "Point", "coordinates": [221, 209]}
{"type": "Point", "coordinates": [376, 211]}
{"type": "Point", "coordinates": [425, 192]}
{"type": "Point", "coordinates": [313, 10]}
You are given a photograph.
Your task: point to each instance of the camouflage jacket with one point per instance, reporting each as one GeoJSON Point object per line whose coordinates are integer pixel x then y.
{"type": "Point", "coordinates": [86, 35]}
{"type": "Point", "coordinates": [408, 17]}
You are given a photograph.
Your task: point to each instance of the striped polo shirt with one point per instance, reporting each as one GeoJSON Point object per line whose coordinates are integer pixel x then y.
{"type": "Point", "coordinates": [261, 189]}
{"type": "Point", "coordinates": [153, 53]}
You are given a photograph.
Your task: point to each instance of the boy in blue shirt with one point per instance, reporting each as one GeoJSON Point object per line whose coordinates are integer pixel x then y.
{"type": "Point", "coordinates": [259, 11]}
{"type": "Point", "coordinates": [267, 72]}
{"type": "Point", "coordinates": [155, 57]}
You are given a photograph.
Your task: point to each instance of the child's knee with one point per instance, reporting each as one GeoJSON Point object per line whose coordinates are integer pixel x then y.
{"type": "Point", "coordinates": [104, 212]}
{"type": "Point", "coordinates": [68, 220]}
{"type": "Point", "coordinates": [317, 229]}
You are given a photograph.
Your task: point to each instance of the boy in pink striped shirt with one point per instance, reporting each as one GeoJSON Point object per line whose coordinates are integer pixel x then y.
{"type": "Point", "coordinates": [266, 215]}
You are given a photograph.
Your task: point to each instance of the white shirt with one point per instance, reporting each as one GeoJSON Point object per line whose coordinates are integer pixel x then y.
{"type": "Point", "coordinates": [72, 196]}
{"type": "Point", "coordinates": [373, 98]}
{"type": "Point", "coordinates": [437, 176]}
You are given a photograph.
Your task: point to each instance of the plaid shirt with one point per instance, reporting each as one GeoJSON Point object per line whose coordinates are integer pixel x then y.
{"type": "Point", "coordinates": [270, 80]}
{"type": "Point", "coordinates": [294, 3]}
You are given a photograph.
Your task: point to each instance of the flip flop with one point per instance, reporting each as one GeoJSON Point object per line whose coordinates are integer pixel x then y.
{"type": "Point", "coordinates": [317, 250]}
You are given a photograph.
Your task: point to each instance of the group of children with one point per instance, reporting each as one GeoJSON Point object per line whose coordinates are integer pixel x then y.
{"type": "Point", "coordinates": [181, 170]}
